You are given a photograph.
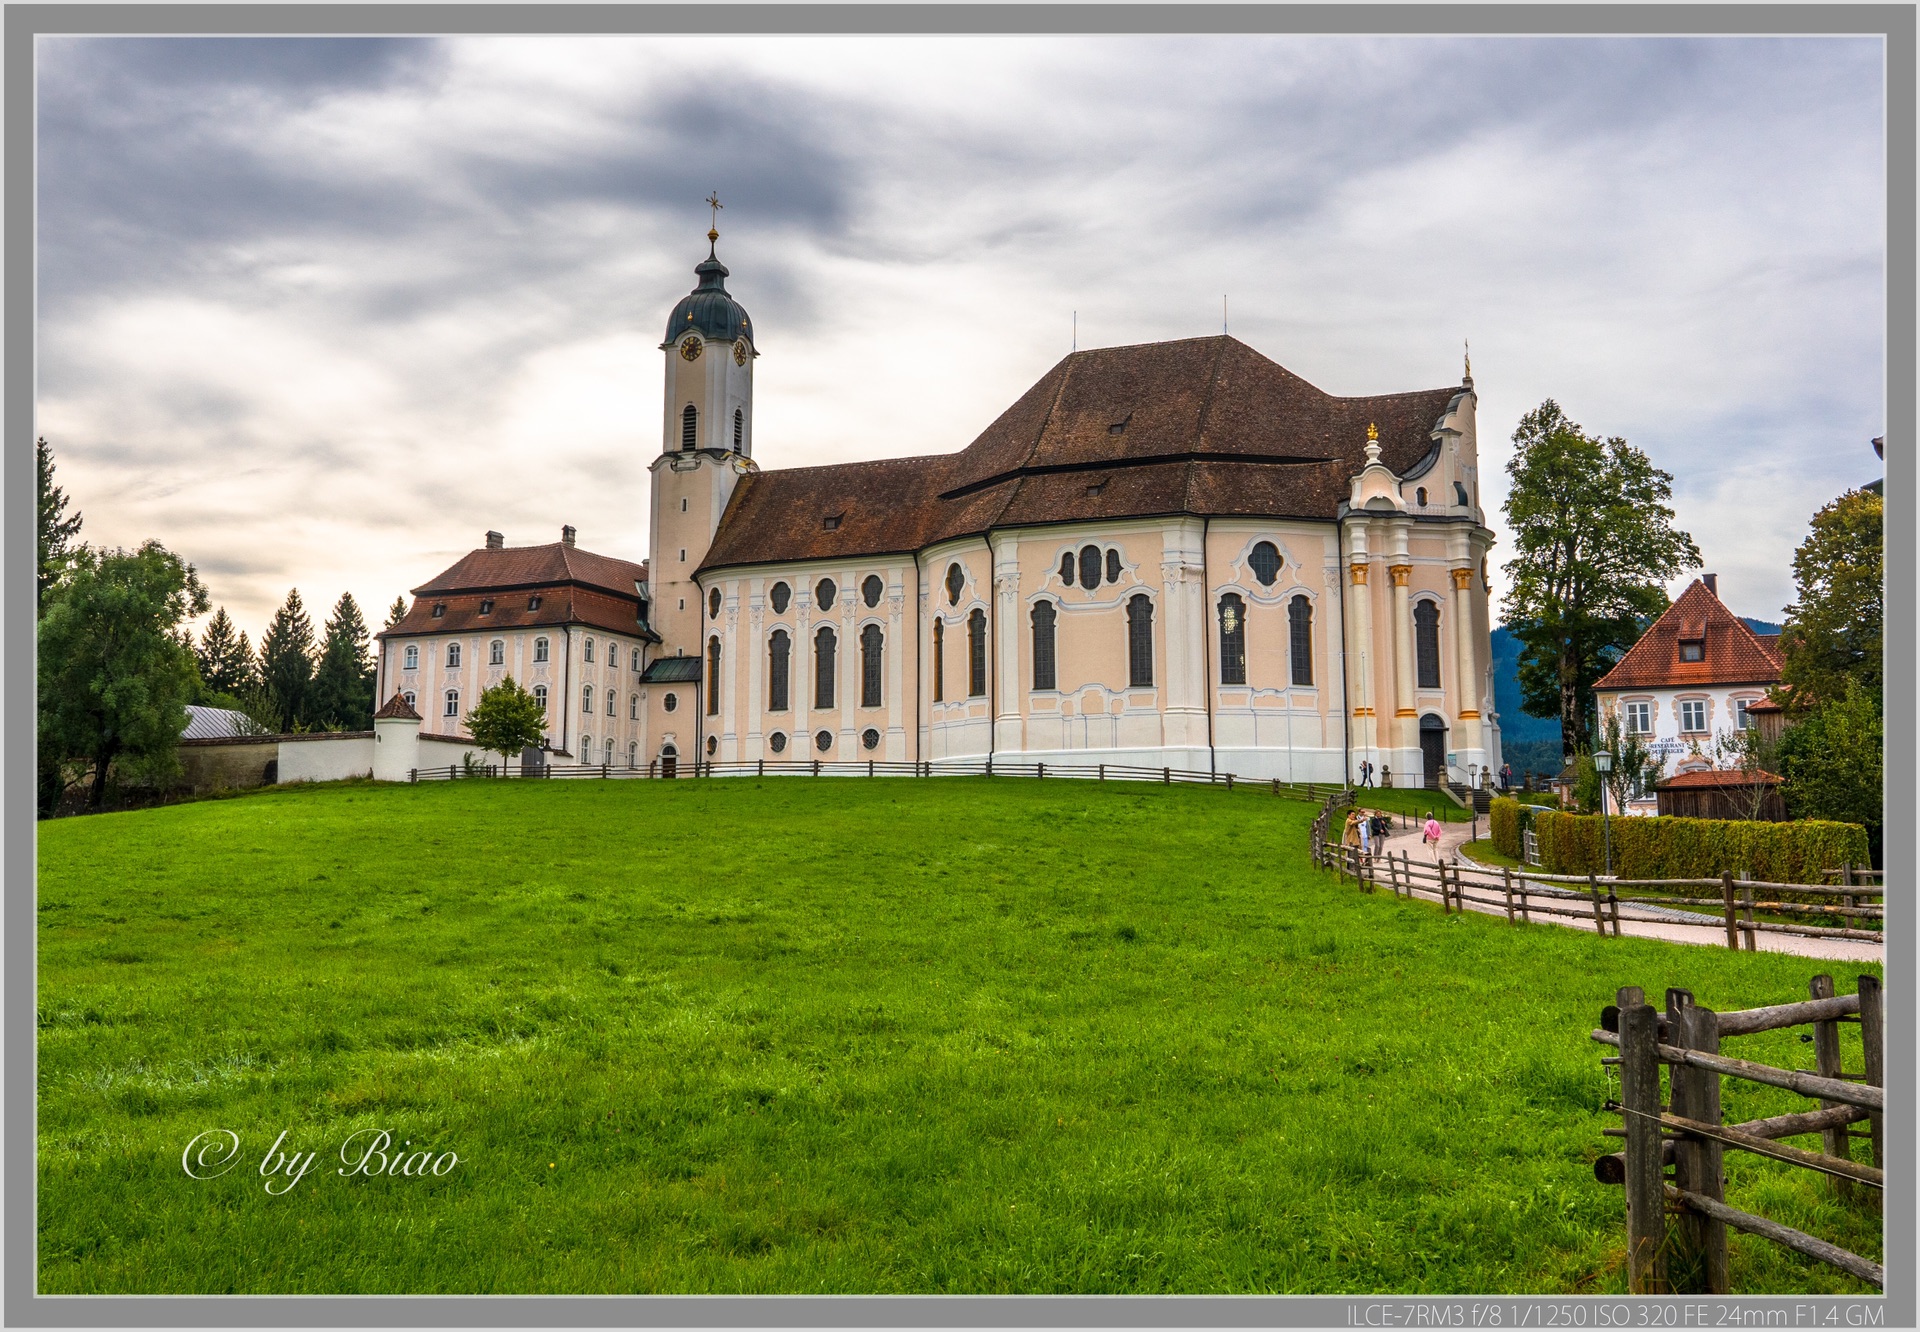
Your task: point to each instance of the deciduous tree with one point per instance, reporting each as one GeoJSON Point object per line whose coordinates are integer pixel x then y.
{"type": "Point", "coordinates": [115, 673]}
{"type": "Point", "coordinates": [507, 719]}
{"type": "Point", "coordinates": [1834, 627]}
{"type": "Point", "coordinates": [1594, 545]}
{"type": "Point", "coordinates": [1833, 763]}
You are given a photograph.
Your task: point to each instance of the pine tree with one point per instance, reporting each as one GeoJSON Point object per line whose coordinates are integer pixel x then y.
{"type": "Point", "coordinates": [286, 663]}
{"type": "Point", "coordinates": [342, 693]}
{"type": "Point", "coordinates": [226, 660]}
{"type": "Point", "coordinates": [396, 613]}
{"type": "Point", "coordinates": [57, 531]}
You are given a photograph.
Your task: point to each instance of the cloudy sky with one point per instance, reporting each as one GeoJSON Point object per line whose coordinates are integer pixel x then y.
{"type": "Point", "coordinates": [319, 312]}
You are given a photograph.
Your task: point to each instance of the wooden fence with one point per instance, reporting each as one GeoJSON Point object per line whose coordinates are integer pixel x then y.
{"type": "Point", "coordinates": [1686, 1131]}
{"type": "Point", "coordinates": [1851, 911]}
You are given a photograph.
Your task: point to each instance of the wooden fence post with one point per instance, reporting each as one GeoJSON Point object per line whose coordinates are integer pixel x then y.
{"type": "Point", "coordinates": [1873, 1046]}
{"type": "Point", "coordinates": [1525, 919]}
{"type": "Point", "coordinates": [1646, 1190]}
{"type": "Point", "coordinates": [1166, 776]}
{"type": "Point", "coordinates": [1506, 882]}
{"type": "Point", "coordinates": [1733, 929]}
{"type": "Point", "coordinates": [1103, 772]}
{"type": "Point", "coordinates": [1613, 909]}
{"type": "Point", "coordinates": [1826, 1062]}
{"type": "Point", "coordinates": [1753, 935]}
{"type": "Point", "coordinates": [1698, 1262]}
{"type": "Point", "coordinates": [1599, 921]}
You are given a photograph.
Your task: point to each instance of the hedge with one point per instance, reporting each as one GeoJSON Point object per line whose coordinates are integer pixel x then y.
{"type": "Point", "coordinates": [1507, 819]}
{"type": "Point", "coordinates": [1674, 848]}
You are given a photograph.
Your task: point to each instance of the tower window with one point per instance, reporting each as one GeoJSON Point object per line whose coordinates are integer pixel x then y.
{"type": "Point", "coordinates": [633, 707]}
{"type": "Point", "coordinates": [1300, 639]}
{"type": "Point", "coordinates": [1265, 562]}
{"type": "Point", "coordinates": [1233, 639]}
{"type": "Point", "coordinates": [669, 702]}
{"type": "Point", "coordinates": [977, 653]}
{"type": "Point", "coordinates": [872, 649]}
{"type": "Point", "coordinates": [779, 647]}
{"type": "Point", "coordinates": [1089, 566]}
{"type": "Point", "coordinates": [1139, 641]}
{"type": "Point", "coordinates": [780, 596]}
{"type": "Point", "coordinates": [1043, 657]}
{"type": "Point", "coordinates": [739, 428]}
{"type": "Point", "coordinates": [612, 702]}
{"type": "Point", "coordinates": [689, 429]}
{"type": "Point", "coordinates": [1426, 642]}
{"type": "Point", "coordinates": [871, 589]}
{"type": "Point", "coordinates": [823, 653]}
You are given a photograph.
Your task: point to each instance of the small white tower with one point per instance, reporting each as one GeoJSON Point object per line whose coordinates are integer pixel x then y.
{"type": "Point", "coordinates": [706, 443]}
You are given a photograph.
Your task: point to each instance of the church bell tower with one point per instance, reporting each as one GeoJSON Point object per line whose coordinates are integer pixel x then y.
{"type": "Point", "coordinates": [706, 443]}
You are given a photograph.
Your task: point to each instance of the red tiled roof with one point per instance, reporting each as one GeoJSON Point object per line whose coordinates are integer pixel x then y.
{"type": "Point", "coordinates": [558, 606]}
{"type": "Point", "coordinates": [1734, 653]}
{"type": "Point", "coordinates": [1204, 425]}
{"type": "Point", "coordinates": [488, 570]}
{"type": "Point", "coordinates": [396, 708]}
{"type": "Point", "coordinates": [1718, 777]}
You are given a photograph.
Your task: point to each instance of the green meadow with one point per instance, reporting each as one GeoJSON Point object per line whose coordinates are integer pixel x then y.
{"type": "Point", "coordinates": [832, 1035]}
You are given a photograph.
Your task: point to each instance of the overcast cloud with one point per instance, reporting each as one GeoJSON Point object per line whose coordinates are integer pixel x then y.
{"type": "Point", "coordinates": [319, 312]}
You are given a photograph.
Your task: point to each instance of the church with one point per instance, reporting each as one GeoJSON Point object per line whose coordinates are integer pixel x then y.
{"type": "Point", "coordinates": [1174, 554]}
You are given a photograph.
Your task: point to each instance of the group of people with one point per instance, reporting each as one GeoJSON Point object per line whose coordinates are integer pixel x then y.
{"type": "Point", "coordinates": [1369, 829]}
{"type": "Point", "coordinates": [1386, 774]}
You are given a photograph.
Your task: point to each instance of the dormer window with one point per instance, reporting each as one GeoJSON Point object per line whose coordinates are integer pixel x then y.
{"type": "Point", "coordinates": [439, 609]}
{"type": "Point", "coordinates": [1118, 426]}
{"type": "Point", "coordinates": [486, 606]}
{"type": "Point", "coordinates": [1693, 649]}
{"type": "Point", "coordinates": [832, 522]}
{"type": "Point", "coordinates": [533, 603]}
{"type": "Point", "coordinates": [1096, 487]}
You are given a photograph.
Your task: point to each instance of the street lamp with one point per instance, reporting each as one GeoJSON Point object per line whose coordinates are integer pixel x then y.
{"type": "Point", "coordinates": [1603, 764]}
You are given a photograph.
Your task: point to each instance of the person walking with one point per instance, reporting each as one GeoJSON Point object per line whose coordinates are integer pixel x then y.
{"type": "Point", "coordinates": [1430, 834]}
{"type": "Point", "coordinates": [1366, 773]}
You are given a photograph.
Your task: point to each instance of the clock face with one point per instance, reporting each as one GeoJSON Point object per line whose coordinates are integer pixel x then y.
{"type": "Point", "coordinates": [690, 348]}
{"type": "Point", "coordinates": [740, 352]}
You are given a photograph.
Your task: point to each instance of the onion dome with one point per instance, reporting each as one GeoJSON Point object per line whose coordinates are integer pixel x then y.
{"type": "Point", "coordinates": [708, 310]}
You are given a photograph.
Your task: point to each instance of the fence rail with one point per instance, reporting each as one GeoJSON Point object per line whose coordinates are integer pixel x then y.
{"type": "Point", "coordinates": [1684, 1130]}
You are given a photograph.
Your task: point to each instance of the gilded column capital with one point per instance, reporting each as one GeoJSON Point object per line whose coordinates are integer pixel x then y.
{"type": "Point", "coordinates": [1400, 573]}
{"type": "Point", "coordinates": [1359, 572]}
{"type": "Point", "coordinates": [1462, 579]}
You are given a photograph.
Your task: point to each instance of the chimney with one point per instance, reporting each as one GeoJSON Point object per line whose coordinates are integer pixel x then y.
{"type": "Point", "coordinates": [566, 535]}
{"type": "Point", "coordinates": [495, 541]}
{"type": "Point", "coordinates": [1713, 583]}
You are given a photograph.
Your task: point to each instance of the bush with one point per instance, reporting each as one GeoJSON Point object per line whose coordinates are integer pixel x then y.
{"type": "Point", "coordinates": [1507, 820]}
{"type": "Point", "coordinates": [1673, 848]}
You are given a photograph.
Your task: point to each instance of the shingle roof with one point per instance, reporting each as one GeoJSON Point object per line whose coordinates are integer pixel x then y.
{"type": "Point", "coordinates": [535, 566]}
{"type": "Point", "coordinates": [1205, 425]}
{"type": "Point", "coordinates": [1734, 654]}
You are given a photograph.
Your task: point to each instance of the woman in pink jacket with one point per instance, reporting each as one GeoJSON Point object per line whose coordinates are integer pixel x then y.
{"type": "Point", "coordinates": [1430, 834]}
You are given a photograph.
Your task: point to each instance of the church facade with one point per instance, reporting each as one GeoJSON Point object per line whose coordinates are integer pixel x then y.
{"type": "Point", "coordinates": [1175, 554]}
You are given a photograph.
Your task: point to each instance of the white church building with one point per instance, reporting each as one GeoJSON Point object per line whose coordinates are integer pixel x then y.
{"type": "Point", "coordinates": [1173, 554]}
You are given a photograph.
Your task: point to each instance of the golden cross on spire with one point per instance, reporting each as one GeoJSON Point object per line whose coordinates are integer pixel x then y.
{"type": "Point", "coordinates": [713, 202]}
{"type": "Point", "coordinates": [1373, 432]}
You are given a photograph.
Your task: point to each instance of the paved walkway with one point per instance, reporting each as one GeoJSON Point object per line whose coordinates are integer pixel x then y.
{"type": "Point", "coordinates": [1674, 925]}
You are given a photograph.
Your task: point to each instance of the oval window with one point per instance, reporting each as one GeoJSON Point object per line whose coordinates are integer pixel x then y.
{"type": "Point", "coordinates": [713, 604]}
{"type": "Point", "coordinates": [669, 702]}
{"type": "Point", "coordinates": [871, 589]}
{"type": "Point", "coordinates": [955, 581]}
{"type": "Point", "coordinates": [1090, 566]}
{"type": "Point", "coordinates": [1113, 566]}
{"type": "Point", "coordinates": [823, 741]}
{"type": "Point", "coordinates": [870, 738]}
{"type": "Point", "coordinates": [824, 592]}
{"type": "Point", "coordinates": [1066, 568]}
{"type": "Point", "coordinates": [777, 743]}
{"type": "Point", "coordinates": [780, 596]}
{"type": "Point", "coordinates": [713, 745]}
{"type": "Point", "coordinates": [1265, 561]}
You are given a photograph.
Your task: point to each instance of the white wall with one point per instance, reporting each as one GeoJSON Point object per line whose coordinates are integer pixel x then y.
{"type": "Point", "coordinates": [325, 758]}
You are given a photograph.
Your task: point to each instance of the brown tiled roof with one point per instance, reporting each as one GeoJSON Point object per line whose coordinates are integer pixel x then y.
{"type": "Point", "coordinates": [534, 567]}
{"type": "Point", "coordinates": [1734, 653]}
{"type": "Point", "coordinates": [1205, 426]}
{"type": "Point", "coordinates": [558, 606]}
{"type": "Point", "coordinates": [1712, 777]}
{"type": "Point", "coordinates": [396, 708]}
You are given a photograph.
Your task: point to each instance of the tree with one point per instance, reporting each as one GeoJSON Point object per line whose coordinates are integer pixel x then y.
{"type": "Point", "coordinates": [1833, 629]}
{"type": "Point", "coordinates": [1833, 763]}
{"type": "Point", "coordinates": [507, 719]}
{"type": "Point", "coordinates": [1594, 543]}
{"type": "Point", "coordinates": [342, 693]}
{"type": "Point", "coordinates": [57, 531]}
{"type": "Point", "coordinates": [115, 674]}
{"type": "Point", "coordinates": [226, 659]}
{"type": "Point", "coordinates": [396, 612]}
{"type": "Point", "coordinates": [286, 662]}
{"type": "Point", "coordinates": [1634, 766]}
{"type": "Point", "coordinates": [1755, 758]}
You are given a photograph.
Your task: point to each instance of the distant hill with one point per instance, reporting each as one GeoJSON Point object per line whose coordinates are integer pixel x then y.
{"type": "Point", "coordinates": [1533, 743]}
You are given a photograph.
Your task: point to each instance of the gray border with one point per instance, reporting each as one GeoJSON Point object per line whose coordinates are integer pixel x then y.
{"type": "Point", "coordinates": [1896, 23]}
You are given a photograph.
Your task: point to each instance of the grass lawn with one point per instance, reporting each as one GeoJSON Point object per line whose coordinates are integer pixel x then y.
{"type": "Point", "coordinates": [1483, 852]}
{"type": "Point", "coordinates": [960, 1034]}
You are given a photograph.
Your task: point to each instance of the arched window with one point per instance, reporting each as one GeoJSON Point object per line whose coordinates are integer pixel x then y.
{"type": "Point", "coordinates": [496, 653]}
{"type": "Point", "coordinates": [586, 749]}
{"type": "Point", "coordinates": [713, 745]}
{"type": "Point", "coordinates": [779, 647]}
{"type": "Point", "coordinates": [633, 707]}
{"type": "Point", "coordinates": [689, 428]}
{"type": "Point", "coordinates": [713, 604]}
{"type": "Point", "coordinates": [453, 655]}
{"type": "Point", "coordinates": [872, 649]}
{"type": "Point", "coordinates": [1420, 496]}
{"type": "Point", "coordinates": [453, 703]}
{"type": "Point", "coordinates": [1066, 569]}
{"type": "Point", "coordinates": [956, 579]}
{"type": "Point", "coordinates": [586, 699]}
{"type": "Point", "coordinates": [780, 596]}
{"type": "Point", "coordinates": [939, 660]}
{"type": "Point", "coordinates": [823, 645]}
{"type": "Point", "coordinates": [1139, 640]}
{"type": "Point", "coordinates": [1089, 566]}
{"type": "Point", "coordinates": [1113, 566]}
{"type": "Point", "coordinates": [1300, 639]}
{"type": "Point", "coordinates": [633, 753]}
{"type": "Point", "coordinates": [713, 676]}
{"type": "Point", "coordinates": [412, 662]}
{"type": "Point", "coordinates": [871, 589]}
{"type": "Point", "coordinates": [1460, 495]}
{"type": "Point", "coordinates": [977, 653]}
{"type": "Point", "coordinates": [1233, 639]}
{"type": "Point", "coordinates": [586, 652]}
{"type": "Point", "coordinates": [608, 753]}
{"type": "Point", "coordinates": [540, 649]}
{"type": "Point", "coordinates": [739, 428]}
{"type": "Point", "coordinates": [636, 661]}
{"type": "Point", "coordinates": [1043, 672]}
{"type": "Point", "coordinates": [612, 700]}
{"type": "Point", "coordinates": [824, 593]}
{"type": "Point", "coordinates": [1426, 644]}
{"type": "Point", "coordinates": [1265, 562]}
{"type": "Point", "coordinates": [540, 696]}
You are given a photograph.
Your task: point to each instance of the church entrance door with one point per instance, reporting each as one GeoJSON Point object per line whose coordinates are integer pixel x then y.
{"type": "Point", "coordinates": [1433, 750]}
{"type": "Point", "coordinates": [669, 762]}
